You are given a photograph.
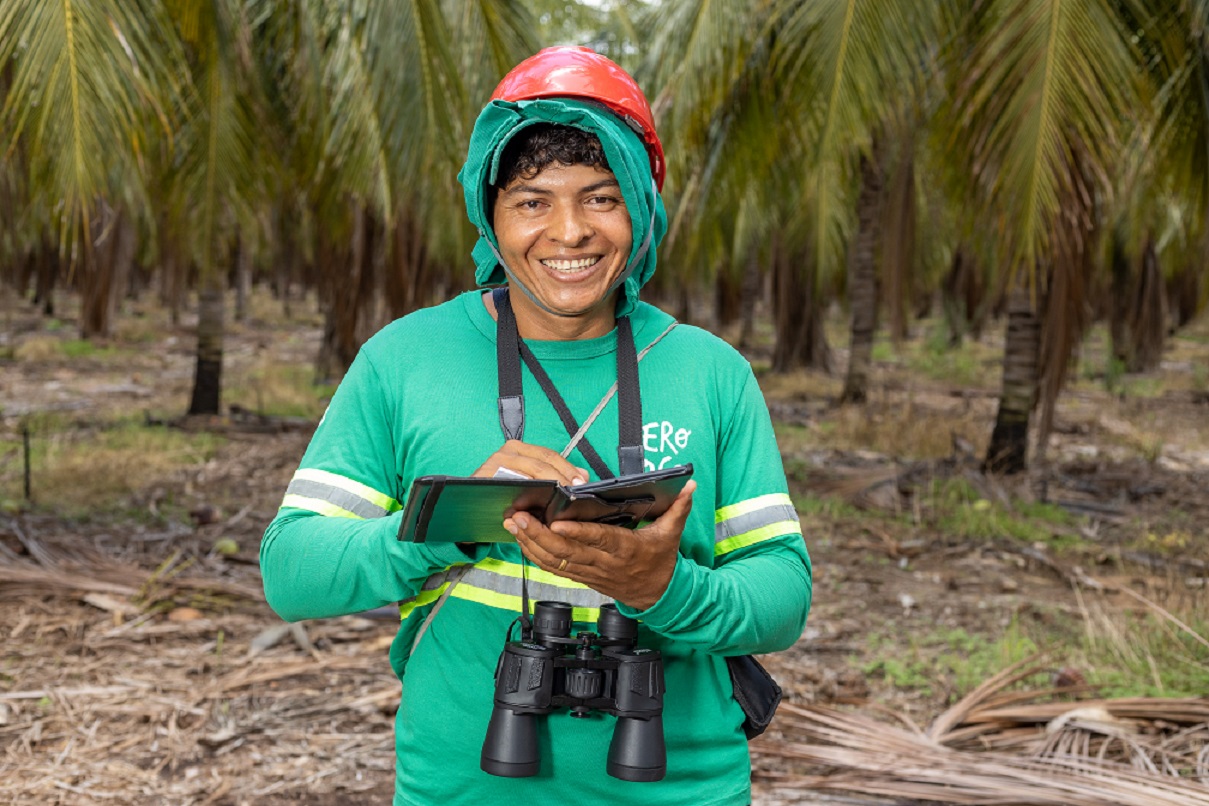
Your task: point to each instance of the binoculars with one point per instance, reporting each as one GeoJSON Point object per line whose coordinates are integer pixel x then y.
{"type": "Point", "coordinates": [602, 671]}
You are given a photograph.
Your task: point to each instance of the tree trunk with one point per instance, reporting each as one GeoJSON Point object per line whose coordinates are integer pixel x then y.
{"type": "Point", "coordinates": [728, 296]}
{"type": "Point", "coordinates": [1119, 301]}
{"type": "Point", "coordinates": [963, 298]}
{"type": "Point", "coordinates": [753, 282]}
{"type": "Point", "coordinates": [1184, 296]}
{"type": "Point", "coordinates": [862, 284]}
{"type": "Point", "coordinates": [285, 254]}
{"type": "Point", "coordinates": [173, 273]}
{"type": "Point", "coordinates": [1008, 449]}
{"type": "Point", "coordinates": [1146, 321]}
{"type": "Point", "coordinates": [347, 270]}
{"type": "Point", "coordinates": [408, 283]}
{"type": "Point", "coordinates": [800, 341]}
{"type": "Point", "coordinates": [207, 379]}
{"type": "Point", "coordinates": [46, 267]}
{"type": "Point", "coordinates": [372, 313]}
{"type": "Point", "coordinates": [898, 245]}
{"type": "Point", "coordinates": [243, 278]}
{"type": "Point", "coordinates": [684, 303]}
{"type": "Point", "coordinates": [105, 273]}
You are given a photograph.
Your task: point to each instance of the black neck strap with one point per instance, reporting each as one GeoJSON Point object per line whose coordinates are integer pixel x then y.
{"type": "Point", "coordinates": [511, 350]}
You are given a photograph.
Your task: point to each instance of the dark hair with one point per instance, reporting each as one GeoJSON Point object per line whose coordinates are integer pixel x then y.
{"type": "Point", "coordinates": [538, 146]}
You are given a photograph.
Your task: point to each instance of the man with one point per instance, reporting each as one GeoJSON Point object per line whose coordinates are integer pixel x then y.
{"type": "Point", "coordinates": [562, 181]}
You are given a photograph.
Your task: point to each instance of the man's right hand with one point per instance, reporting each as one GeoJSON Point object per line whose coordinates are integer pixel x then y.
{"type": "Point", "coordinates": [533, 461]}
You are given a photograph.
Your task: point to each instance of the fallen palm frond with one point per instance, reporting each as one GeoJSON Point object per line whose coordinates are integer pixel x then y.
{"type": "Point", "coordinates": [24, 579]}
{"type": "Point", "coordinates": [997, 746]}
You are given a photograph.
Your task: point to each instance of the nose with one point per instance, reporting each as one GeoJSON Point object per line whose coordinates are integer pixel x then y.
{"type": "Point", "coordinates": [570, 225]}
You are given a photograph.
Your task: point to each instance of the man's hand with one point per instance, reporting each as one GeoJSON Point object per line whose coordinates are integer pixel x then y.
{"type": "Point", "coordinates": [632, 566]}
{"type": "Point", "coordinates": [533, 461]}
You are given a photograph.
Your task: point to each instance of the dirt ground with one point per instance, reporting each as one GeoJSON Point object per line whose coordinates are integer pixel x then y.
{"type": "Point", "coordinates": [140, 664]}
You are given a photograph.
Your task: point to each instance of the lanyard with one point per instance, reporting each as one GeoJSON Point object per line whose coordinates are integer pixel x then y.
{"type": "Point", "coordinates": [511, 350]}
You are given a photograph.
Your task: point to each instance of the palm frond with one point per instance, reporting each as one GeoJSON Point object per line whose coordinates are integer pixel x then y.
{"type": "Point", "coordinates": [221, 178]}
{"type": "Point", "coordinates": [1051, 86]}
{"type": "Point", "coordinates": [85, 77]}
{"type": "Point", "coordinates": [845, 68]}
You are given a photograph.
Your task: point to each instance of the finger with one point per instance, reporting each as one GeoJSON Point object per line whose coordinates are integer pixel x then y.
{"type": "Point", "coordinates": [548, 457]}
{"type": "Point", "coordinates": [672, 521]}
{"type": "Point", "coordinates": [586, 533]}
{"type": "Point", "coordinates": [536, 468]}
{"type": "Point", "coordinates": [546, 549]}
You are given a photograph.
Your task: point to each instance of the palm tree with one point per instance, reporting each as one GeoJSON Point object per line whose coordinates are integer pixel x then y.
{"type": "Point", "coordinates": [850, 69]}
{"type": "Point", "coordinates": [376, 111]}
{"type": "Point", "coordinates": [1040, 110]}
{"type": "Point", "coordinates": [1158, 218]}
{"type": "Point", "coordinates": [86, 79]}
{"type": "Point", "coordinates": [219, 173]}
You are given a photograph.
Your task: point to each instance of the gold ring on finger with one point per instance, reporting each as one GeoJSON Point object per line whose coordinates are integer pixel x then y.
{"type": "Point", "coordinates": [562, 565]}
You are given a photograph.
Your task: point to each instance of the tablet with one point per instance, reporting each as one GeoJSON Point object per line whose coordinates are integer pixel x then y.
{"type": "Point", "coordinates": [459, 509]}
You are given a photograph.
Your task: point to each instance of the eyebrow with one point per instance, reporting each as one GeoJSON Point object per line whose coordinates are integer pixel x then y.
{"type": "Point", "coordinates": [544, 192]}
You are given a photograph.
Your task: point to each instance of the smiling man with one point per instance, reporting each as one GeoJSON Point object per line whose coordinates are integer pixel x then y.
{"type": "Point", "coordinates": [562, 181]}
{"type": "Point", "coordinates": [566, 235]}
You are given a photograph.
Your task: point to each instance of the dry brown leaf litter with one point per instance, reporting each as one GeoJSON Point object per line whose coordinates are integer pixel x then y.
{"type": "Point", "coordinates": [112, 692]}
{"type": "Point", "coordinates": [1002, 747]}
{"type": "Point", "coordinates": [129, 684]}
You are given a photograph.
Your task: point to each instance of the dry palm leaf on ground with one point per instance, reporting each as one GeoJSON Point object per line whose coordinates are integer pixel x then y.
{"type": "Point", "coordinates": [1002, 747]}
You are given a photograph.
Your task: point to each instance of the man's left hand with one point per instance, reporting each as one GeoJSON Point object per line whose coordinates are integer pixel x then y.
{"type": "Point", "coordinates": [633, 566]}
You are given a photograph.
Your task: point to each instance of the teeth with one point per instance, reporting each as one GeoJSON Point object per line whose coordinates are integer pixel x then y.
{"type": "Point", "coordinates": [570, 265]}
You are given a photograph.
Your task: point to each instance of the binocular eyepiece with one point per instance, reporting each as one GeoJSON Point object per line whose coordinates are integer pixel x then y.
{"type": "Point", "coordinates": [601, 671]}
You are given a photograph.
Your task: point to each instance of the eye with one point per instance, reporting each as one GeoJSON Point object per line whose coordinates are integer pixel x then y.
{"type": "Point", "coordinates": [530, 204]}
{"type": "Point", "coordinates": [604, 201]}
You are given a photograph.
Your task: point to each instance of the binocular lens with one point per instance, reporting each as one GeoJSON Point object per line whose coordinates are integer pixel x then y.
{"type": "Point", "coordinates": [510, 750]}
{"type": "Point", "coordinates": [637, 752]}
{"type": "Point", "coordinates": [551, 619]}
{"type": "Point", "coordinates": [614, 626]}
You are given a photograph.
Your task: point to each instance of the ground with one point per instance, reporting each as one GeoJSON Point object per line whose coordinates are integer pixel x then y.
{"type": "Point", "coordinates": [141, 665]}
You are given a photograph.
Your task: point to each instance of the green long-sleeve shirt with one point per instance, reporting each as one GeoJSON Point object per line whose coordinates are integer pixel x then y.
{"type": "Point", "coordinates": [421, 399]}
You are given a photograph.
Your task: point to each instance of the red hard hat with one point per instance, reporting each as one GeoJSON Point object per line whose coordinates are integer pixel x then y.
{"type": "Point", "coordinates": [574, 72]}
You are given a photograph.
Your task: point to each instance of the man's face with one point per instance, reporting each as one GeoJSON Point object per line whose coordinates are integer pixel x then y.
{"type": "Point", "coordinates": [566, 235]}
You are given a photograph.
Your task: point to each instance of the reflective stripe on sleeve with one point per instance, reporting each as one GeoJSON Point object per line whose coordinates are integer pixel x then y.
{"type": "Point", "coordinates": [497, 584]}
{"type": "Point", "coordinates": [757, 519]}
{"type": "Point", "coordinates": [330, 494]}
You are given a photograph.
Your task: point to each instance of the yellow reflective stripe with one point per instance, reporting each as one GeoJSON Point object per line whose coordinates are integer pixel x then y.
{"type": "Point", "coordinates": [516, 571]}
{"type": "Point", "coordinates": [424, 597]}
{"type": "Point", "coordinates": [505, 601]}
{"type": "Point", "coordinates": [348, 485]}
{"type": "Point", "coordinates": [751, 505]}
{"type": "Point", "coordinates": [755, 536]}
{"type": "Point", "coordinates": [319, 506]}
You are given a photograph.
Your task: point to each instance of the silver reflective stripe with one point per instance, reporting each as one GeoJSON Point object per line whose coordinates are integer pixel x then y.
{"type": "Point", "coordinates": [511, 586]}
{"type": "Point", "coordinates": [750, 521]}
{"type": "Point", "coordinates": [334, 495]}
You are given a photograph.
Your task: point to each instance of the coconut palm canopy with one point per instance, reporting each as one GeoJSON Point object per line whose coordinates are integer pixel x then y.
{"type": "Point", "coordinates": [840, 146]}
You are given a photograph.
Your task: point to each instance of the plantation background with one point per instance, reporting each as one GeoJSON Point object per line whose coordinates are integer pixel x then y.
{"type": "Point", "coordinates": [962, 243]}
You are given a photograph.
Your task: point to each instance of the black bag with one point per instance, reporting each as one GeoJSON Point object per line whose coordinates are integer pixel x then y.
{"type": "Point", "coordinates": [756, 692]}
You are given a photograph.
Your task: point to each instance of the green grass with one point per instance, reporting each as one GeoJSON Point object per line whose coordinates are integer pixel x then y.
{"type": "Point", "coordinates": [957, 510]}
{"type": "Point", "coordinates": [280, 390]}
{"type": "Point", "coordinates": [828, 507]}
{"type": "Point", "coordinates": [883, 352]}
{"type": "Point", "coordinates": [1140, 654]}
{"type": "Point", "coordinates": [81, 348]}
{"type": "Point", "coordinates": [935, 359]}
{"type": "Point", "coordinates": [948, 661]}
{"type": "Point", "coordinates": [88, 472]}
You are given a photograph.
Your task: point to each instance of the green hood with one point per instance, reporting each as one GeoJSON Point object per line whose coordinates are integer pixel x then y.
{"type": "Point", "coordinates": [500, 121]}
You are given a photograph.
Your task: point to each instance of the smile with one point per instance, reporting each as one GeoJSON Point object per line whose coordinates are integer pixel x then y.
{"type": "Point", "coordinates": [571, 265]}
